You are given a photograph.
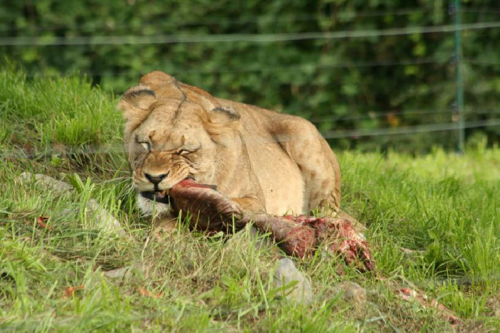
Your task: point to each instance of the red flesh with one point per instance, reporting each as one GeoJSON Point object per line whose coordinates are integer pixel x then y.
{"type": "Point", "coordinates": [296, 235]}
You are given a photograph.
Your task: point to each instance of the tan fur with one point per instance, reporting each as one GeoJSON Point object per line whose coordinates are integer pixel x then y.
{"type": "Point", "coordinates": [266, 161]}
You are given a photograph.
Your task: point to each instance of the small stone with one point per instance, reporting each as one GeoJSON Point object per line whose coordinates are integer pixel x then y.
{"type": "Point", "coordinates": [411, 254]}
{"type": "Point", "coordinates": [353, 292]}
{"type": "Point", "coordinates": [123, 271]}
{"type": "Point", "coordinates": [285, 274]}
{"type": "Point", "coordinates": [47, 182]}
{"type": "Point", "coordinates": [105, 218]}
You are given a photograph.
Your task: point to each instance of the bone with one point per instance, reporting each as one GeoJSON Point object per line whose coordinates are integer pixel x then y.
{"type": "Point", "coordinates": [298, 236]}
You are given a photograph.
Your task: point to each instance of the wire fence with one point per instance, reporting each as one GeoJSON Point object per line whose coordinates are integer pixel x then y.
{"type": "Point", "coordinates": [117, 148]}
{"type": "Point", "coordinates": [452, 60]}
{"type": "Point", "coordinates": [238, 38]}
{"type": "Point", "coordinates": [304, 67]}
{"type": "Point", "coordinates": [234, 21]}
{"type": "Point", "coordinates": [440, 127]}
{"type": "Point", "coordinates": [254, 20]}
{"type": "Point", "coordinates": [384, 114]}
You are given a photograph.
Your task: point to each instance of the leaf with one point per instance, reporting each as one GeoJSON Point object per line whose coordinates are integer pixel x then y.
{"type": "Point", "coordinates": [147, 293]}
{"type": "Point", "coordinates": [70, 291]}
{"type": "Point", "coordinates": [41, 222]}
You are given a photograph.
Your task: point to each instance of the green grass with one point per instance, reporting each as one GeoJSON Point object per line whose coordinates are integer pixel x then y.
{"type": "Point", "coordinates": [443, 206]}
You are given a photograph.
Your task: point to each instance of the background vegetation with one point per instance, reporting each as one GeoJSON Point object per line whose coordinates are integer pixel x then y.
{"type": "Point", "coordinates": [433, 221]}
{"type": "Point", "coordinates": [357, 84]}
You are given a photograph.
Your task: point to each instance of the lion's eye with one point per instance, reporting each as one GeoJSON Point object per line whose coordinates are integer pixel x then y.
{"type": "Point", "coordinates": [183, 152]}
{"type": "Point", "coordinates": [146, 145]}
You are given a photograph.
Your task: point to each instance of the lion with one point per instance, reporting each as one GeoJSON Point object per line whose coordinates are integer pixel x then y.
{"type": "Point", "coordinates": [265, 161]}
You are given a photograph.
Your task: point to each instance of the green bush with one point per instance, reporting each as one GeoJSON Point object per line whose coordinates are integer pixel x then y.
{"type": "Point", "coordinates": [322, 79]}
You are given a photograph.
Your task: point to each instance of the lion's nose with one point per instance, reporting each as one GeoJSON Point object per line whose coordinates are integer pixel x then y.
{"type": "Point", "coordinates": [155, 179]}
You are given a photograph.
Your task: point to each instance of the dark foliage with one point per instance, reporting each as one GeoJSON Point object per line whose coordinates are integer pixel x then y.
{"type": "Point", "coordinates": [359, 83]}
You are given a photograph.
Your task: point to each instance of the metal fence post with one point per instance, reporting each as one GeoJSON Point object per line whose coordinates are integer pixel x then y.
{"type": "Point", "coordinates": [459, 78]}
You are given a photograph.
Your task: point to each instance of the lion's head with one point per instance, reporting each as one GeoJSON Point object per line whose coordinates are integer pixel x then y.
{"type": "Point", "coordinates": [172, 132]}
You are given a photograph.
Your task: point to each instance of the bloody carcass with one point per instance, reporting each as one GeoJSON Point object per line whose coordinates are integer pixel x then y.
{"type": "Point", "coordinates": [298, 236]}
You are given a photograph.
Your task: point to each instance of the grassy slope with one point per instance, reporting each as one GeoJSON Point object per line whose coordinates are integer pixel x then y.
{"type": "Point", "coordinates": [443, 206]}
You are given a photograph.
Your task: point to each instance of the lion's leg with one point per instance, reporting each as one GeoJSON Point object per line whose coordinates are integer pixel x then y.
{"type": "Point", "coordinates": [250, 204]}
{"type": "Point", "coordinates": [317, 162]}
{"type": "Point", "coordinates": [163, 225]}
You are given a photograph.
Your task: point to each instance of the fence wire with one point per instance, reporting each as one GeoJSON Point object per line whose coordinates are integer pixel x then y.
{"type": "Point", "coordinates": [239, 38]}
{"type": "Point", "coordinates": [21, 41]}
{"type": "Point", "coordinates": [222, 20]}
{"type": "Point", "coordinates": [118, 148]}
{"type": "Point", "coordinates": [207, 21]}
{"type": "Point", "coordinates": [293, 68]}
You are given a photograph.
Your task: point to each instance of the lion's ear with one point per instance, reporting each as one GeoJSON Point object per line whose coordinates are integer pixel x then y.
{"type": "Point", "coordinates": [140, 97]}
{"type": "Point", "coordinates": [223, 115]}
{"type": "Point", "coordinates": [136, 105]}
{"type": "Point", "coordinates": [223, 123]}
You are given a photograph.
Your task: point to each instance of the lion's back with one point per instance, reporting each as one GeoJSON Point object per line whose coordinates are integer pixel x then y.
{"type": "Point", "coordinates": [279, 176]}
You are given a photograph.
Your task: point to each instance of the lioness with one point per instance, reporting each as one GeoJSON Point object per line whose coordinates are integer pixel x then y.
{"type": "Point", "coordinates": [263, 160]}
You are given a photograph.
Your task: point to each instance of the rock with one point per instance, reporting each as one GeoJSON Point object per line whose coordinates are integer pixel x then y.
{"type": "Point", "coordinates": [411, 254]}
{"type": "Point", "coordinates": [105, 218]}
{"type": "Point", "coordinates": [286, 274]}
{"type": "Point", "coordinates": [353, 292]}
{"type": "Point", "coordinates": [123, 271]}
{"type": "Point", "coordinates": [47, 182]}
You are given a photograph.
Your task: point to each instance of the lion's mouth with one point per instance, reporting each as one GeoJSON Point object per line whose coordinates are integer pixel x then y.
{"type": "Point", "coordinates": [158, 196]}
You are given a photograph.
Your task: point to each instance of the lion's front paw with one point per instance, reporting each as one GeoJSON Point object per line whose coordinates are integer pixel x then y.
{"type": "Point", "coordinates": [164, 226]}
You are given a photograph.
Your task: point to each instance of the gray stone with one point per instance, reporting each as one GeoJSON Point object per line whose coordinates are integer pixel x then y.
{"type": "Point", "coordinates": [300, 290]}
{"type": "Point", "coordinates": [123, 271]}
{"type": "Point", "coordinates": [353, 292]}
{"type": "Point", "coordinates": [412, 254]}
{"type": "Point", "coordinates": [105, 218]}
{"type": "Point", "coordinates": [47, 182]}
